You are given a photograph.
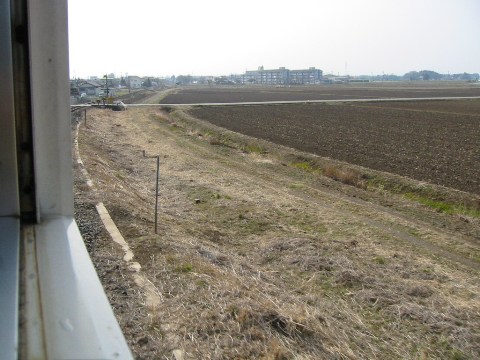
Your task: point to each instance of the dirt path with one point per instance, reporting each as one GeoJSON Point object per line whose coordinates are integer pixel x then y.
{"type": "Point", "coordinates": [159, 96]}
{"type": "Point", "coordinates": [257, 259]}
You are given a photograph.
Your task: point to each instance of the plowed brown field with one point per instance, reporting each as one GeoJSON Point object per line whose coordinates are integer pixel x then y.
{"type": "Point", "coordinates": [435, 141]}
{"type": "Point", "coordinates": [321, 92]}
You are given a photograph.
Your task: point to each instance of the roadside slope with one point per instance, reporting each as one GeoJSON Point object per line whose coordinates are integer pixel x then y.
{"type": "Point", "coordinates": [259, 259]}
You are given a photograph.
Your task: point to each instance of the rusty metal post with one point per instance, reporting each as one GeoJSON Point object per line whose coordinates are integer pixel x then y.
{"type": "Point", "coordinates": [85, 117]}
{"type": "Point", "coordinates": [156, 187]}
{"type": "Point", "coordinates": [156, 194]}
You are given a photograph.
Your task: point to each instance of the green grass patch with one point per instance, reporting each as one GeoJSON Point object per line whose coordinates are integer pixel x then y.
{"type": "Point", "coordinates": [218, 196]}
{"type": "Point", "coordinates": [310, 228]}
{"type": "Point", "coordinates": [445, 348]}
{"type": "Point", "coordinates": [206, 195]}
{"type": "Point", "coordinates": [202, 283]}
{"type": "Point", "coordinates": [296, 186]}
{"type": "Point", "coordinates": [428, 196]}
{"type": "Point", "coordinates": [443, 206]}
{"type": "Point", "coordinates": [248, 225]}
{"type": "Point", "coordinates": [176, 127]}
{"type": "Point", "coordinates": [222, 141]}
{"type": "Point", "coordinates": [475, 257]}
{"type": "Point", "coordinates": [307, 166]}
{"type": "Point", "coordinates": [307, 223]}
{"type": "Point", "coordinates": [184, 268]}
{"type": "Point", "coordinates": [253, 149]}
{"type": "Point", "coordinates": [119, 175]}
{"type": "Point", "coordinates": [221, 210]}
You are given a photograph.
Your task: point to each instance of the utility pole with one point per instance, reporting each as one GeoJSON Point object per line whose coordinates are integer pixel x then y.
{"type": "Point", "coordinates": [106, 83]}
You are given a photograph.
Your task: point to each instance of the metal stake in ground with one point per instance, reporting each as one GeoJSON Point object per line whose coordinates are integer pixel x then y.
{"type": "Point", "coordinates": [156, 188]}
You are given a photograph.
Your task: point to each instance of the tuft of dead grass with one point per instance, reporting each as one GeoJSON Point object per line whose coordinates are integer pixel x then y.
{"type": "Point", "coordinates": [347, 176]}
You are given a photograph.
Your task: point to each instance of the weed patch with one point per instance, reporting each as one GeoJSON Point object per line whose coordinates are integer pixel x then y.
{"type": "Point", "coordinates": [348, 177]}
{"type": "Point", "coordinates": [253, 149]}
{"type": "Point", "coordinates": [444, 206]}
{"type": "Point", "coordinates": [306, 166]}
{"type": "Point", "coordinates": [221, 141]}
{"type": "Point", "coordinates": [184, 268]}
{"type": "Point", "coordinates": [296, 186]}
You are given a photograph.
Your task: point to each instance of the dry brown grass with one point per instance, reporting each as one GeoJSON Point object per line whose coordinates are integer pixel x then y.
{"type": "Point", "coordinates": [348, 176]}
{"type": "Point", "coordinates": [258, 269]}
{"type": "Point", "coordinates": [457, 202]}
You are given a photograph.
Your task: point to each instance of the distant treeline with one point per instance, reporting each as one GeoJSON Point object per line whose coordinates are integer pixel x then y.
{"type": "Point", "coordinates": [422, 75]}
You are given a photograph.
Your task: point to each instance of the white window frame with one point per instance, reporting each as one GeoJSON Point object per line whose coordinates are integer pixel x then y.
{"type": "Point", "coordinates": [65, 312]}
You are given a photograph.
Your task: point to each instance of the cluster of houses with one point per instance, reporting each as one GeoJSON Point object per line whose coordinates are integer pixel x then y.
{"type": "Point", "coordinates": [96, 87]}
{"type": "Point", "coordinates": [108, 86]}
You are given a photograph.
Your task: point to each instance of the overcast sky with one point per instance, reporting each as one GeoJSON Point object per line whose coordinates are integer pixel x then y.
{"type": "Point", "coordinates": [221, 37]}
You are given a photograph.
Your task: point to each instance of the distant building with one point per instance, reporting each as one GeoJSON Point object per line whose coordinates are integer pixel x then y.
{"type": "Point", "coordinates": [135, 82]}
{"type": "Point", "coordinates": [268, 77]}
{"type": "Point", "coordinates": [281, 76]}
{"type": "Point", "coordinates": [89, 87]}
{"type": "Point", "coordinates": [308, 76]}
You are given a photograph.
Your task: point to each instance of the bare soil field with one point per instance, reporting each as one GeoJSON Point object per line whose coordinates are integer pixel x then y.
{"type": "Point", "coordinates": [436, 141]}
{"type": "Point", "coordinates": [259, 258]}
{"type": "Point", "coordinates": [219, 94]}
